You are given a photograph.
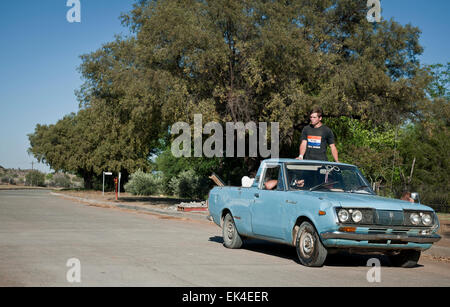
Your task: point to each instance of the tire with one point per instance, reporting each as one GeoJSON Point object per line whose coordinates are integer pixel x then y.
{"type": "Point", "coordinates": [310, 250]}
{"type": "Point", "coordinates": [405, 259]}
{"type": "Point", "coordinates": [231, 237]}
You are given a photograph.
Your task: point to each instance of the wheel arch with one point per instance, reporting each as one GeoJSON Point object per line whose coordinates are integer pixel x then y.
{"type": "Point", "coordinates": [296, 227]}
{"type": "Point", "coordinates": [225, 211]}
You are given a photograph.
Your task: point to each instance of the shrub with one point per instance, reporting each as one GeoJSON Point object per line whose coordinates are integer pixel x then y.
{"type": "Point", "coordinates": [190, 185]}
{"type": "Point", "coordinates": [171, 167]}
{"type": "Point", "coordinates": [77, 182]}
{"type": "Point", "coordinates": [62, 180]}
{"type": "Point", "coordinates": [35, 178]}
{"type": "Point", "coordinates": [141, 183]}
{"type": "Point", "coordinates": [8, 180]}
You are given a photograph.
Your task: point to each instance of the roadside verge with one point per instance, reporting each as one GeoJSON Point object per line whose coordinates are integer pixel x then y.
{"type": "Point", "coordinates": [169, 211]}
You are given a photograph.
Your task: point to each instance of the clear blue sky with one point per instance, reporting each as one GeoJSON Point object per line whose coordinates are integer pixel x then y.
{"type": "Point", "coordinates": [40, 53]}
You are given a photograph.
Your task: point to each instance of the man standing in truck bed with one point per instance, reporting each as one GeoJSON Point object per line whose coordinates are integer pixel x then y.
{"type": "Point", "coordinates": [315, 139]}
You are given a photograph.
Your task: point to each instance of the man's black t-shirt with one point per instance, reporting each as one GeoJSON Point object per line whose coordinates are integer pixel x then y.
{"type": "Point", "coordinates": [318, 140]}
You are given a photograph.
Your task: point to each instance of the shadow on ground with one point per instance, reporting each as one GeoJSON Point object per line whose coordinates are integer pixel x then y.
{"type": "Point", "coordinates": [340, 259]}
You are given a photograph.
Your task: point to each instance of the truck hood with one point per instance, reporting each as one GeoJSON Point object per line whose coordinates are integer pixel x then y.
{"type": "Point", "coordinates": [355, 200]}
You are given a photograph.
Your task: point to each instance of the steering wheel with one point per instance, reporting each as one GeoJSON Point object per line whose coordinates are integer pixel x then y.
{"type": "Point", "coordinates": [295, 182]}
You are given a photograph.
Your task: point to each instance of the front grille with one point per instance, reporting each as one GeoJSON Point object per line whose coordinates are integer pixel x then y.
{"type": "Point", "coordinates": [389, 218]}
{"type": "Point", "coordinates": [368, 216]}
{"type": "Point", "coordinates": [385, 219]}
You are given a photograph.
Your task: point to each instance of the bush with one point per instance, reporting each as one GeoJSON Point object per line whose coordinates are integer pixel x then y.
{"type": "Point", "coordinates": [143, 184]}
{"type": "Point", "coordinates": [8, 180]}
{"type": "Point", "coordinates": [77, 182]}
{"type": "Point", "coordinates": [189, 185]}
{"type": "Point", "coordinates": [35, 178]}
{"type": "Point", "coordinates": [62, 180]}
{"type": "Point", "coordinates": [171, 167]}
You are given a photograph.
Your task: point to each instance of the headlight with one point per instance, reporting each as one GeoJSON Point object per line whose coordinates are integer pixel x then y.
{"type": "Point", "coordinates": [415, 219]}
{"type": "Point", "coordinates": [343, 216]}
{"type": "Point", "coordinates": [426, 219]}
{"type": "Point", "coordinates": [357, 216]}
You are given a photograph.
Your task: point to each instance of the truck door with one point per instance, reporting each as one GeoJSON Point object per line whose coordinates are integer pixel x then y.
{"type": "Point", "coordinates": [267, 210]}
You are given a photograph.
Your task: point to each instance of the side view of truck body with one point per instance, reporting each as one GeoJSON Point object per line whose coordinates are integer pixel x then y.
{"type": "Point", "coordinates": [320, 207]}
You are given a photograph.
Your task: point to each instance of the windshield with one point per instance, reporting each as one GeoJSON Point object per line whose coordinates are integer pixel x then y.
{"type": "Point", "coordinates": [327, 177]}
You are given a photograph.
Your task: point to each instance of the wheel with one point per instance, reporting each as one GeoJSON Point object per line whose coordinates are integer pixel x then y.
{"type": "Point", "coordinates": [231, 237]}
{"type": "Point", "coordinates": [310, 250]}
{"type": "Point", "coordinates": [405, 259]}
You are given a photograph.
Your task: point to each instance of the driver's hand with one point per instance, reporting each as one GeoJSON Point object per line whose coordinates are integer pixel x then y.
{"type": "Point", "coordinates": [300, 183]}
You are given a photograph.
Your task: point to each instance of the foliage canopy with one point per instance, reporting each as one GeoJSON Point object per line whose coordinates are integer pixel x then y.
{"type": "Point", "coordinates": [250, 60]}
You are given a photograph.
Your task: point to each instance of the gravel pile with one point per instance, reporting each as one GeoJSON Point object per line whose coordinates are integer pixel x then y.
{"type": "Point", "coordinates": [193, 204]}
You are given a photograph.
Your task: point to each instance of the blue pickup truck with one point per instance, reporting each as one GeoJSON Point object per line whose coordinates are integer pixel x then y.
{"type": "Point", "coordinates": [320, 208]}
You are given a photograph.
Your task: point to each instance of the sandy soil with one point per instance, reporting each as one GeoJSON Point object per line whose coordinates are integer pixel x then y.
{"type": "Point", "coordinates": [154, 201]}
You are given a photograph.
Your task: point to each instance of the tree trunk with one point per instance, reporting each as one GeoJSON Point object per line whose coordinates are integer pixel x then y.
{"type": "Point", "coordinates": [88, 178]}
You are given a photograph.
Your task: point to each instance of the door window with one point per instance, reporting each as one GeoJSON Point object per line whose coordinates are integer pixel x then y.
{"type": "Point", "coordinates": [272, 178]}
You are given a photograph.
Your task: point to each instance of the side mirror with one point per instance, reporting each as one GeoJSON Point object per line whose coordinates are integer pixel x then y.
{"type": "Point", "coordinates": [416, 197]}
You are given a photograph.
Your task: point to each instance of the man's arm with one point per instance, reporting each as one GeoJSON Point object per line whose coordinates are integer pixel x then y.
{"type": "Point", "coordinates": [331, 141]}
{"type": "Point", "coordinates": [302, 150]}
{"type": "Point", "coordinates": [334, 152]}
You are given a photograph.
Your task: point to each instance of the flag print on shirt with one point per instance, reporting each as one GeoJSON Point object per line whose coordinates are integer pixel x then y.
{"type": "Point", "coordinates": [314, 141]}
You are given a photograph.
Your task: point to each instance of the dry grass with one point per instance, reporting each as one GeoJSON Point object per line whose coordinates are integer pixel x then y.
{"type": "Point", "coordinates": [154, 201]}
{"type": "Point", "coordinates": [19, 187]}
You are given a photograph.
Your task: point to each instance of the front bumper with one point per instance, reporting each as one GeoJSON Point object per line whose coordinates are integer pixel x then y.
{"type": "Point", "coordinates": [419, 239]}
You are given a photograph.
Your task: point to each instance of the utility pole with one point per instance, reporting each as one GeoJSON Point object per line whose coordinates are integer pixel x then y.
{"type": "Point", "coordinates": [32, 169]}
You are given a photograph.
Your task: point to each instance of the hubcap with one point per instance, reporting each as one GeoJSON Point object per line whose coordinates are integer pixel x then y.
{"type": "Point", "coordinates": [230, 230]}
{"type": "Point", "coordinates": [307, 244]}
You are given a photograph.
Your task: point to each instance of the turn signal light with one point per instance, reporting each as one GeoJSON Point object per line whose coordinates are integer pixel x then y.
{"type": "Point", "coordinates": [347, 229]}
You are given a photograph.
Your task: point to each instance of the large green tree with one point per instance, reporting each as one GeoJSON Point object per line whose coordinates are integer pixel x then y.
{"type": "Point", "coordinates": [261, 61]}
{"type": "Point", "coordinates": [425, 146]}
{"type": "Point", "coordinates": [255, 60]}
{"type": "Point", "coordinates": [271, 61]}
{"type": "Point", "coordinates": [68, 145]}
